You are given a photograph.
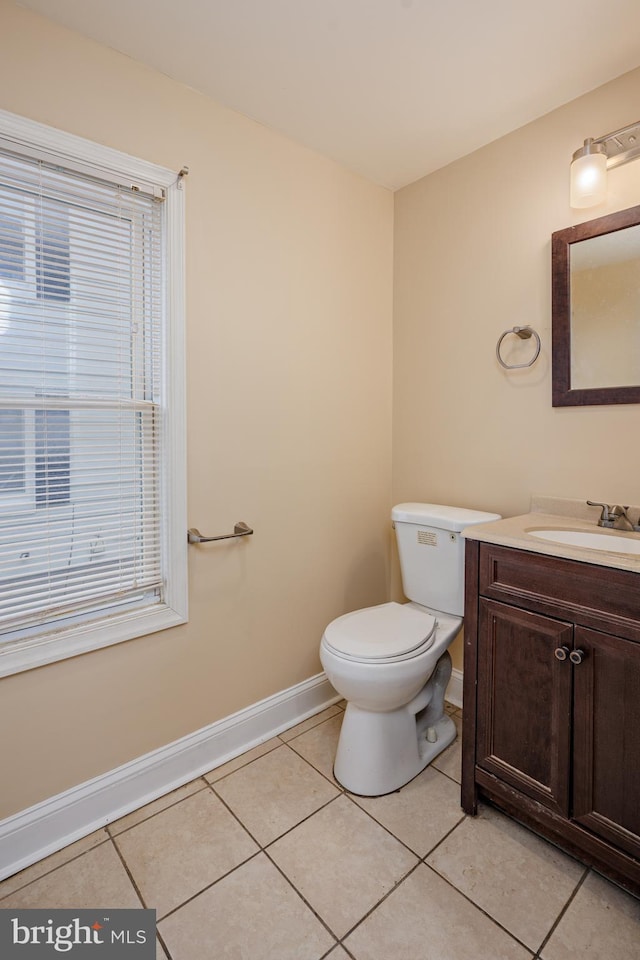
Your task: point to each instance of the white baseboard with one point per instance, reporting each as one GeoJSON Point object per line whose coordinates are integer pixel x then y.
{"type": "Point", "coordinates": [43, 829]}
{"type": "Point", "coordinates": [454, 690]}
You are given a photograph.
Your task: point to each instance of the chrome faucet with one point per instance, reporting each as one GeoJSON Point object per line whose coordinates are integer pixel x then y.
{"type": "Point", "coordinates": [611, 515]}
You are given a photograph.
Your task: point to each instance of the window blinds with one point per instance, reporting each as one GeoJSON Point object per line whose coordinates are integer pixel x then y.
{"type": "Point", "coordinates": [81, 311]}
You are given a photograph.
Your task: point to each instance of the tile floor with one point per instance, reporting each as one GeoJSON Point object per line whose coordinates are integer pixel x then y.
{"type": "Point", "coordinates": [267, 858]}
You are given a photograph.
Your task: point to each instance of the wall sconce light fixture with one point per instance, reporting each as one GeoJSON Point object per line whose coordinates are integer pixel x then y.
{"type": "Point", "coordinates": [591, 162]}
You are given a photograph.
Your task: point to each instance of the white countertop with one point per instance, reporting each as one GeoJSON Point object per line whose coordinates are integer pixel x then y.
{"type": "Point", "coordinates": [549, 513]}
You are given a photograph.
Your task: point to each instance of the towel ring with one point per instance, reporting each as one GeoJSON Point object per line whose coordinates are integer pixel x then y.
{"type": "Point", "coordinates": [525, 333]}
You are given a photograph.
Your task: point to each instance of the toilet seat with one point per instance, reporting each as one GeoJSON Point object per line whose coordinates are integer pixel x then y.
{"type": "Point", "coordinates": [388, 632]}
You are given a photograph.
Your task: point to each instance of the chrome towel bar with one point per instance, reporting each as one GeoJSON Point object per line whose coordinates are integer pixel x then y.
{"type": "Point", "coordinates": [241, 529]}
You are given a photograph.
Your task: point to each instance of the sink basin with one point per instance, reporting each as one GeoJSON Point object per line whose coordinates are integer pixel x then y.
{"type": "Point", "coordinates": [591, 541]}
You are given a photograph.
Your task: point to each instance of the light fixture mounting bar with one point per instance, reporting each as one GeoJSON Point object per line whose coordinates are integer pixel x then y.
{"type": "Point", "coordinates": [622, 145]}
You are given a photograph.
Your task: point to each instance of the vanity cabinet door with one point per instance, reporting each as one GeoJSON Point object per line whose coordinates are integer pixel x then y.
{"type": "Point", "coordinates": [524, 701]}
{"type": "Point", "coordinates": [606, 794]}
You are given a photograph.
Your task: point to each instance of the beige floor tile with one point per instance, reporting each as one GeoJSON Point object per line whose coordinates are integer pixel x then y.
{"type": "Point", "coordinates": [183, 849]}
{"type": "Point", "coordinates": [39, 869]}
{"type": "Point", "coordinates": [449, 761]}
{"type": "Point", "coordinates": [424, 919]}
{"type": "Point", "coordinates": [149, 809]}
{"type": "Point", "coordinates": [522, 881]}
{"type": "Point", "coordinates": [274, 793]}
{"type": "Point", "coordinates": [95, 879]}
{"type": "Point", "coordinates": [338, 953]}
{"type": "Point", "coordinates": [421, 813]}
{"type": "Point", "coordinates": [243, 760]}
{"type": "Point", "coordinates": [319, 745]}
{"type": "Point", "coordinates": [342, 863]}
{"type": "Point", "coordinates": [310, 723]}
{"type": "Point", "coordinates": [252, 914]}
{"type": "Point", "coordinates": [602, 922]}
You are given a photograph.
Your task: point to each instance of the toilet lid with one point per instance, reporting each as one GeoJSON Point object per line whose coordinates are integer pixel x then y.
{"type": "Point", "coordinates": [379, 633]}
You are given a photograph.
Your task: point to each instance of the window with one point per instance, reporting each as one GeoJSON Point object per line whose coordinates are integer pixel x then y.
{"type": "Point", "coordinates": [12, 453]}
{"type": "Point", "coordinates": [92, 493]}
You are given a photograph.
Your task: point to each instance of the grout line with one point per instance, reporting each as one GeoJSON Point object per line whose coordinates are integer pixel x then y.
{"type": "Point", "coordinates": [120, 856]}
{"type": "Point", "coordinates": [304, 900]}
{"type": "Point", "coordinates": [330, 951]}
{"type": "Point", "coordinates": [284, 743]}
{"type": "Point", "coordinates": [109, 826]}
{"type": "Point", "coordinates": [41, 876]}
{"type": "Point", "coordinates": [340, 940]}
{"type": "Point", "coordinates": [163, 944]}
{"type": "Point", "coordinates": [563, 911]}
{"type": "Point", "coordinates": [110, 835]}
{"type": "Point", "coordinates": [463, 817]}
{"type": "Point", "coordinates": [350, 796]}
{"type": "Point", "coordinates": [208, 786]}
{"type": "Point", "coordinates": [334, 783]}
{"type": "Point", "coordinates": [330, 779]}
{"type": "Point", "coordinates": [447, 775]}
{"type": "Point", "coordinates": [265, 848]}
{"type": "Point", "coordinates": [236, 818]}
{"type": "Point", "coordinates": [141, 898]}
{"type": "Point", "coordinates": [204, 889]}
{"type": "Point", "coordinates": [347, 951]}
{"type": "Point", "coordinates": [345, 793]}
{"type": "Point", "coordinates": [261, 849]}
{"type": "Point", "coordinates": [480, 909]}
{"type": "Point", "coordinates": [381, 825]}
{"type": "Point", "coordinates": [311, 726]}
{"type": "Point", "coordinates": [242, 766]}
{"type": "Point", "coordinates": [386, 896]}
{"type": "Point", "coordinates": [299, 823]}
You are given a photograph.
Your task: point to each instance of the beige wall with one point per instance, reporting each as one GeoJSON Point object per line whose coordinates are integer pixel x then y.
{"type": "Point", "coordinates": [289, 386]}
{"type": "Point", "coordinates": [472, 259]}
{"type": "Point", "coordinates": [289, 267]}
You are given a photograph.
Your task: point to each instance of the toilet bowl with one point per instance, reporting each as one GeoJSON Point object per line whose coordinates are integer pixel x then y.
{"type": "Point", "coordinates": [391, 662]}
{"type": "Point", "coordinates": [394, 722]}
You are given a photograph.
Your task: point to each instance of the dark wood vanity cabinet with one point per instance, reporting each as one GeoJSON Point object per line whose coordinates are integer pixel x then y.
{"type": "Point", "coordinates": [551, 730]}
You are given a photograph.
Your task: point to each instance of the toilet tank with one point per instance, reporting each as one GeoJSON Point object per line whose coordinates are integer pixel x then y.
{"type": "Point", "coordinates": [431, 552]}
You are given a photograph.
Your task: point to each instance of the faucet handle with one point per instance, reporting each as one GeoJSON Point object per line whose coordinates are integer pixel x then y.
{"type": "Point", "coordinates": [609, 514]}
{"type": "Point", "coordinates": [604, 516]}
{"type": "Point", "coordinates": [618, 511]}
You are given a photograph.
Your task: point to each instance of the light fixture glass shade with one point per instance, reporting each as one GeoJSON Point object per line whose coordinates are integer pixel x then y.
{"type": "Point", "coordinates": [588, 176]}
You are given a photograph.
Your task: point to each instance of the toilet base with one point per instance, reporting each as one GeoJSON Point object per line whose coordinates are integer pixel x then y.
{"type": "Point", "coordinates": [380, 752]}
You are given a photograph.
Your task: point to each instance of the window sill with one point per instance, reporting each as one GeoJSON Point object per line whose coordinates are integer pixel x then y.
{"type": "Point", "coordinates": [71, 642]}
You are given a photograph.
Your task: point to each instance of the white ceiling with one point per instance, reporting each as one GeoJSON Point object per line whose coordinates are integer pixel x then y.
{"type": "Point", "coordinates": [392, 89]}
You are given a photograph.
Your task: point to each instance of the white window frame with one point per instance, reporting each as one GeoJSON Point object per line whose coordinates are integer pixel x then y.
{"type": "Point", "coordinates": [24, 499]}
{"type": "Point", "coordinates": [75, 153]}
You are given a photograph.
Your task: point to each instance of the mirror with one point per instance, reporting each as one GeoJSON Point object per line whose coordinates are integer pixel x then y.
{"type": "Point", "coordinates": [596, 311]}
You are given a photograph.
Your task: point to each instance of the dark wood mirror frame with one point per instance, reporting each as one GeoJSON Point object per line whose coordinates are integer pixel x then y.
{"type": "Point", "coordinates": [561, 240]}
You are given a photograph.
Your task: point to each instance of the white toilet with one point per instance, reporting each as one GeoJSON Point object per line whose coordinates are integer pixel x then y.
{"type": "Point", "coordinates": [390, 662]}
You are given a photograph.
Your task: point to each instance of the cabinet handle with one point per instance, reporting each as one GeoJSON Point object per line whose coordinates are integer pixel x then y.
{"type": "Point", "coordinates": [577, 656]}
{"type": "Point", "coordinates": [561, 653]}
